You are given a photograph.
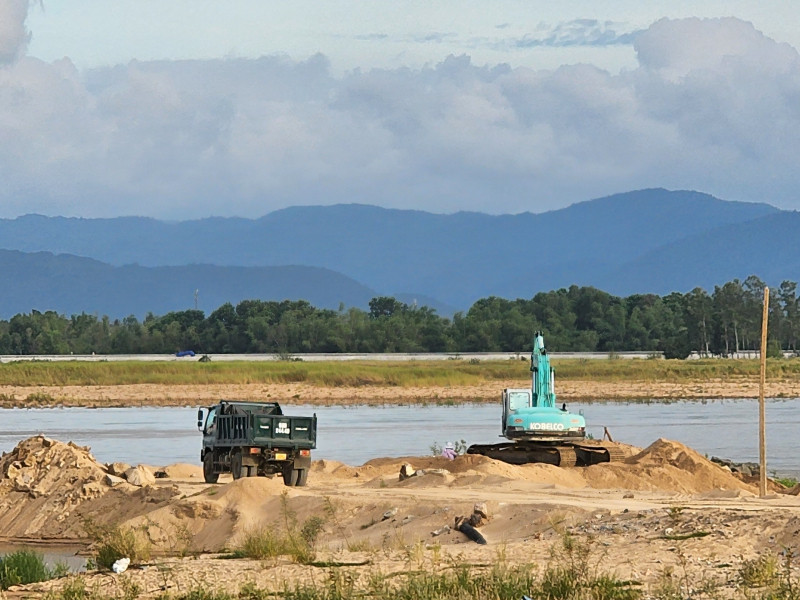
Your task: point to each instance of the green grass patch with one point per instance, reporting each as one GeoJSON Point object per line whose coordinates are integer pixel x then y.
{"type": "Point", "coordinates": [26, 566]}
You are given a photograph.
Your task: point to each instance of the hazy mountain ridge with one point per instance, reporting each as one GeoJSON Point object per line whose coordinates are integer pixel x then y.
{"type": "Point", "coordinates": [644, 241]}
{"type": "Point", "coordinates": [71, 285]}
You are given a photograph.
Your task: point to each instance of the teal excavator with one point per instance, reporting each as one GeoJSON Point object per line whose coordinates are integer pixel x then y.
{"type": "Point", "coordinates": [538, 429]}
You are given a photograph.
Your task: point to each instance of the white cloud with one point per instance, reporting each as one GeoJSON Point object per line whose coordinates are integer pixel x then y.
{"type": "Point", "coordinates": [14, 37]}
{"type": "Point", "coordinates": [714, 105]}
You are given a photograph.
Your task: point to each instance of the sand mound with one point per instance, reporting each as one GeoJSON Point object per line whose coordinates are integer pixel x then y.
{"type": "Point", "coordinates": [183, 471]}
{"type": "Point", "coordinates": [44, 480]}
{"type": "Point", "coordinates": [668, 466]}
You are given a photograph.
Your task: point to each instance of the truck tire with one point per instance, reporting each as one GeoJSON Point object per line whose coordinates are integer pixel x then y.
{"type": "Point", "coordinates": [302, 478]}
{"type": "Point", "coordinates": [290, 476]}
{"type": "Point", "coordinates": [236, 465]}
{"type": "Point", "coordinates": [208, 468]}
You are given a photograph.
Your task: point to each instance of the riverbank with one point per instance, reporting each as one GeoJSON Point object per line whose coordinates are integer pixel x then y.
{"type": "Point", "coordinates": [16, 396]}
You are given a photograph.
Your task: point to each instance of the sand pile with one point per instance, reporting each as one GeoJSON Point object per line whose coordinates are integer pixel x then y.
{"type": "Point", "coordinates": [667, 466]}
{"type": "Point", "coordinates": [43, 481]}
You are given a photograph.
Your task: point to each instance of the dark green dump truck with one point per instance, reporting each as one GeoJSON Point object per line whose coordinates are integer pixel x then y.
{"type": "Point", "coordinates": [248, 439]}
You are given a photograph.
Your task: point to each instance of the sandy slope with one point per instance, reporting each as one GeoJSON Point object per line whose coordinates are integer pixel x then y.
{"type": "Point", "coordinates": [630, 512]}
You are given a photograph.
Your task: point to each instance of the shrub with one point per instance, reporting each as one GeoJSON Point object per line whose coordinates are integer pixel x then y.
{"type": "Point", "coordinates": [113, 543]}
{"type": "Point", "coordinates": [23, 566]}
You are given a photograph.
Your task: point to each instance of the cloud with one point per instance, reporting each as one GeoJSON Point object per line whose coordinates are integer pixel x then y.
{"type": "Point", "coordinates": [578, 32]}
{"type": "Point", "coordinates": [14, 37]}
{"type": "Point", "coordinates": [713, 105]}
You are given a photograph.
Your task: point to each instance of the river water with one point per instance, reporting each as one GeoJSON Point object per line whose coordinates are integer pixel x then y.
{"type": "Point", "coordinates": [354, 435]}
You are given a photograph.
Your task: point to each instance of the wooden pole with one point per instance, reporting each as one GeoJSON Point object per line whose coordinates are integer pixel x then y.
{"type": "Point", "coordinates": [762, 429]}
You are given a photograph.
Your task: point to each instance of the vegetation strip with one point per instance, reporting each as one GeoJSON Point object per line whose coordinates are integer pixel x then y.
{"type": "Point", "coordinates": [578, 319]}
{"type": "Point", "coordinates": [371, 373]}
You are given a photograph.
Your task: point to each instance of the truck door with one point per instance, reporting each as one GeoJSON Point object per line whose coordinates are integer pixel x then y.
{"type": "Point", "coordinates": [210, 428]}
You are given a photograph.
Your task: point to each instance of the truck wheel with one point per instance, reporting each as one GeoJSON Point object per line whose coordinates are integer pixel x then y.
{"type": "Point", "coordinates": [302, 478]}
{"type": "Point", "coordinates": [236, 465]}
{"type": "Point", "coordinates": [208, 468]}
{"type": "Point", "coordinates": [290, 476]}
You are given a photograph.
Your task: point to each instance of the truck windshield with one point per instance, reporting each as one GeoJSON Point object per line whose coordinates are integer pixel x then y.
{"type": "Point", "coordinates": [210, 419]}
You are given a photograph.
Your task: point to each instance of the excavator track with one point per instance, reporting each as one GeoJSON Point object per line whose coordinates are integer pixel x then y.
{"type": "Point", "coordinates": [580, 454]}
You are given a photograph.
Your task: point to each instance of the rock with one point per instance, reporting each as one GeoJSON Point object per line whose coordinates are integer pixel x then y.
{"type": "Point", "coordinates": [389, 513]}
{"type": "Point", "coordinates": [441, 530]}
{"type": "Point", "coordinates": [140, 476]}
{"type": "Point", "coordinates": [113, 480]}
{"type": "Point", "coordinates": [475, 519]}
{"type": "Point", "coordinates": [117, 468]}
{"type": "Point", "coordinates": [406, 471]}
{"type": "Point", "coordinates": [480, 509]}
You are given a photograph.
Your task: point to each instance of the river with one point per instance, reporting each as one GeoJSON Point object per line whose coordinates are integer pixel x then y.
{"type": "Point", "coordinates": [353, 435]}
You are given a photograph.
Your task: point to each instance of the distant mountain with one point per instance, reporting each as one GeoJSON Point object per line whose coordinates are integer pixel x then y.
{"type": "Point", "coordinates": [623, 243]}
{"type": "Point", "coordinates": [71, 285]}
{"type": "Point", "coordinates": [762, 247]}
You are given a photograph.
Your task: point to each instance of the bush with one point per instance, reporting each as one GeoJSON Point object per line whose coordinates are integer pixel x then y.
{"type": "Point", "coordinates": [23, 566]}
{"type": "Point", "coordinates": [113, 543]}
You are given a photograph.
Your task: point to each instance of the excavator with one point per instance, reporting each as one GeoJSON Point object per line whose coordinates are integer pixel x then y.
{"type": "Point", "coordinates": [539, 431]}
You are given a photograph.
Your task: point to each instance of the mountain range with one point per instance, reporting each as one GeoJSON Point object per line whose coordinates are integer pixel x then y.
{"type": "Point", "coordinates": [652, 240]}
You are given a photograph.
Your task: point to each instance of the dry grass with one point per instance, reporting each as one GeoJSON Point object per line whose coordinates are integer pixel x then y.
{"type": "Point", "coordinates": [373, 373]}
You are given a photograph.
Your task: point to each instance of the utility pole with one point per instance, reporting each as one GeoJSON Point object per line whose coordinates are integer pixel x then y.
{"type": "Point", "coordinates": [195, 298]}
{"type": "Point", "coordinates": [762, 429]}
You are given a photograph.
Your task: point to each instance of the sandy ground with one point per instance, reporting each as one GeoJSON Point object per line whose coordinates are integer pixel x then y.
{"type": "Point", "coordinates": [181, 395]}
{"type": "Point", "coordinates": [662, 510]}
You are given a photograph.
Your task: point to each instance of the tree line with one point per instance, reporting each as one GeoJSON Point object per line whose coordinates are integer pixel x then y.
{"type": "Point", "coordinates": [578, 319]}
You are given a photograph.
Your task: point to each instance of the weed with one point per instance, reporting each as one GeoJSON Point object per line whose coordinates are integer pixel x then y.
{"type": "Point", "coordinates": [359, 546]}
{"type": "Point", "coordinates": [674, 513]}
{"type": "Point", "coordinates": [201, 593]}
{"type": "Point", "coordinates": [73, 589]}
{"type": "Point", "coordinates": [787, 482]}
{"type": "Point", "coordinates": [261, 543]}
{"type": "Point", "coordinates": [311, 529]}
{"type": "Point", "coordinates": [114, 542]}
{"type": "Point", "coordinates": [759, 571]}
{"type": "Point", "coordinates": [40, 399]}
{"type": "Point", "coordinates": [23, 566]}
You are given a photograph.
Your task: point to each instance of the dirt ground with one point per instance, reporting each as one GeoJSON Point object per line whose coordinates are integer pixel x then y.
{"type": "Point", "coordinates": [181, 395]}
{"type": "Point", "coordinates": [664, 511]}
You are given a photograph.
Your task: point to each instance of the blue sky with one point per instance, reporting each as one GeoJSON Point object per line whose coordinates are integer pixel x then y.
{"type": "Point", "coordinates": [187, 109]}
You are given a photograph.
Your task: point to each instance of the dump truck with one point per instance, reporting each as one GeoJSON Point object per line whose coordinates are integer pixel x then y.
{"type": "Point", "coordinates": [254, 439]}
{"type": "Point", "coordinates": [539, 431]}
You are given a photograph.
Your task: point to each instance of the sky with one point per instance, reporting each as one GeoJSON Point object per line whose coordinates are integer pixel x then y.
{"type": "Point", "coordinates": [191, 108]}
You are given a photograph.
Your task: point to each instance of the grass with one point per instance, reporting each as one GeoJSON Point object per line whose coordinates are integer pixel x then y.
{"type": "Point", "coordinates": [112, 543]}
{"type": "Point", "coordinates": [375, 373]}
{"type": "Point", "coordinates": [575, 571]}
{"type": "Point", "coordinates": [294, 540]}
{"type": "Point", "coordinates": [26, 566]}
